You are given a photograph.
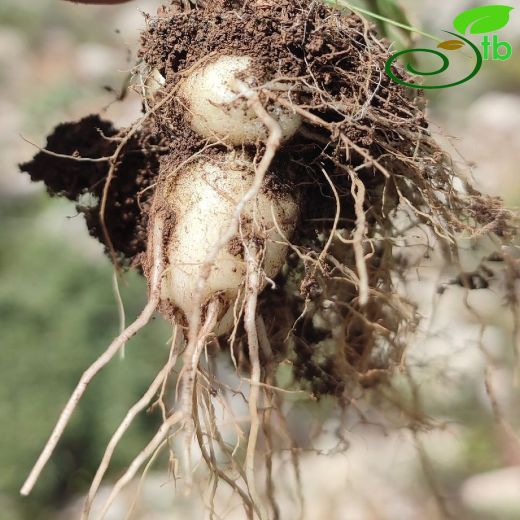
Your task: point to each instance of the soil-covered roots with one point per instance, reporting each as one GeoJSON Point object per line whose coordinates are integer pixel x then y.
{"type": "Point", "coordinates": [274, 172]}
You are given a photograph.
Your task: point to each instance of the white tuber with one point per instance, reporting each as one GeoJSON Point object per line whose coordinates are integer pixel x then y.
{"type": "Point", "coordinates": [217, 112]}
{"type": "Point", "coordinates": [203, 197]}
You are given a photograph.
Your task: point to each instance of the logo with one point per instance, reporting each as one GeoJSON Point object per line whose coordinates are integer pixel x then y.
{"type": "Point", "coordinates": [478, 21]}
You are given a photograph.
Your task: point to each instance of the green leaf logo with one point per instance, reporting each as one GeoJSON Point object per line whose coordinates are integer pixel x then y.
{"type": "Point", "coordinates": [451, 45]}
{"type": "Point", "coordinates": [484, 19]}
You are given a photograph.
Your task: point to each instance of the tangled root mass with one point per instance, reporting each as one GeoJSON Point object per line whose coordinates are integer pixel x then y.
{"type": "Point", "coordinates": [365, 131]}
{"type": "Point", "coordinates": [364, 160]}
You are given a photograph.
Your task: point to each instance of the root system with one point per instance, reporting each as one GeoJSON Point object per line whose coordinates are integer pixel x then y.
{"type": "Point", "coordinates": [365, 163]}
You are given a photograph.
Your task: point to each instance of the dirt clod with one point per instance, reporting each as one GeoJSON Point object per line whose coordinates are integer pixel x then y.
{"type": "Point", "coordinates": [70, 176]}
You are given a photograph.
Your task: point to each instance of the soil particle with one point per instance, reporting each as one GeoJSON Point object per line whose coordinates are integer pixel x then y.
{"type": "Point", "coordinates": [235, 247]}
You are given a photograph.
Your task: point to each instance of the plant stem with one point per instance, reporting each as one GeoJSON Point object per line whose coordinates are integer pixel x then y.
{"type": "Point", "coordinates": [347, 5]}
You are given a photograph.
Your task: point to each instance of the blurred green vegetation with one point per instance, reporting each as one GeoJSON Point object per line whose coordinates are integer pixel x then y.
{"type": "Point", "coordinates": [31, 17]}
{"type": "Point", "coordinates": [57, 314]}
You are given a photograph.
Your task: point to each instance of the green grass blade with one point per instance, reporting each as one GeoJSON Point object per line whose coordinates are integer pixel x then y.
{"type": "Point", "coordinates": [347, 5]}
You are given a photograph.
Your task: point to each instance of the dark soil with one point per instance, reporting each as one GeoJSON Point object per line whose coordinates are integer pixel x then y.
{"type": "Point", "coordinates": [336, 59]}
{"type": "Point", "coordinates": [129, 197]}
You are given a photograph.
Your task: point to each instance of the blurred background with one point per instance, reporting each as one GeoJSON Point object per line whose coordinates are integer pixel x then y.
{"type": "Point", "coordinates": [59, 62]}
